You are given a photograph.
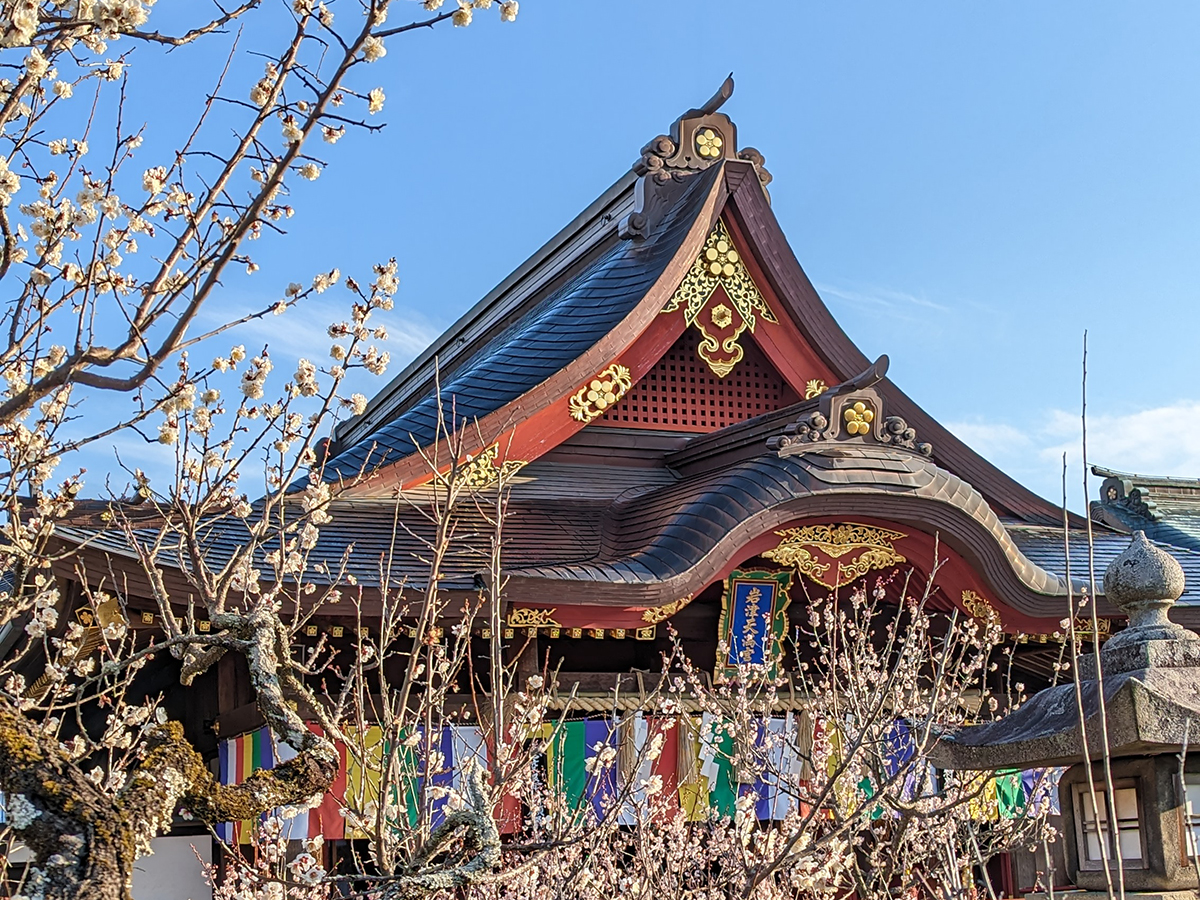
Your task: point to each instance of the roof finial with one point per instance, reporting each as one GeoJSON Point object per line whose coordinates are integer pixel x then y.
{"type": "Point", "coordinates": [715, 102]}
{"type": "Point", "coordinates": [701, 138]}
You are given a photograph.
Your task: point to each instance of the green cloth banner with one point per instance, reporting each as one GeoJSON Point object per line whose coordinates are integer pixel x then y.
{"type": "Point", "coordinates": [566, 763]}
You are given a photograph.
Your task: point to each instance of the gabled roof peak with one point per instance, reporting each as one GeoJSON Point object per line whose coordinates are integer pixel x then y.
{"type": "Point", "coordinates": [699, 139]}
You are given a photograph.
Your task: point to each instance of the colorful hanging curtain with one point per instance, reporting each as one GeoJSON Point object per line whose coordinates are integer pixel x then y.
{"type": "Point", "coordinates": [636, 770]}
{"type": "Point", "coordinates": [776, 788]}
{"type": "Point", "coordinates": [357, 787]}
{"type": "Point", "coordinates": [574, 746]}
{"type": "Point", "coordinates": [716, 765]}
{"type": "Point", "coordinates": [237, 759]}
{"type": "Point", "coordinates": [1010, 794]}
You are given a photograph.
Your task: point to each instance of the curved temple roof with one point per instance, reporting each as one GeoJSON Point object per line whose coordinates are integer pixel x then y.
{"type": "Point", "coordinates": [564, 325]}
{"type": "Point", "coordinates": [697, 502]}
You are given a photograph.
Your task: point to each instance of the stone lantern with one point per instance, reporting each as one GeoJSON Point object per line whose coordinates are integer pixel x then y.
{"type": "Point", "coordinates": [1151, 682]}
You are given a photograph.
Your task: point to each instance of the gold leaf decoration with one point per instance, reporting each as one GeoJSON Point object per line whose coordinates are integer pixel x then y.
{"type": "Point", "coordinates": [525, 617]}
{"type": "Point", "coordinates": [814, 387]}
{"type": "Point", "coordinates": [803, 548]}
{"type": "Point", "coordinates": [664, 612]}
{"type": "Point", "coordinates": [979, 608]}
{"type": "Point", "coordinates": [598, 395]}
{"type": "Point", "coordinates": [479, 471]}
{"type": "Point", "coordinates": [720, 265]}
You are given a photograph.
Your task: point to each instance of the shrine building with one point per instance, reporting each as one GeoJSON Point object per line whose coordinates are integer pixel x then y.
{"type": "Point", "coordinates": [678, 414]}
{"type": "Point", "coordinates": [691, 440]}
{"type": "Point", "coordinates": [681, 418]}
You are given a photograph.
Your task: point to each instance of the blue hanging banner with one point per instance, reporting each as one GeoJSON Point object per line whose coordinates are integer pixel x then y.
{"type": "Point", "coordinates": [754, 619]}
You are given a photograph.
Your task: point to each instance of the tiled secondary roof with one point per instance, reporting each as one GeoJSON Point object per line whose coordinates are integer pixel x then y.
{"type": "Point", "coordinates": [566, 324]}
{"type": "Point", "coordinates": [1167, 509]}
{"type": "Point", "coordinates": [635, 536]}
{"type": "Point", "coordinates": [676, 538]}
{"type": "Point", "coordinates": [1044, 547]}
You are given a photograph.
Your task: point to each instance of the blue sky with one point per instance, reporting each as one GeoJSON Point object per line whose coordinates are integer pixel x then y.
{"type": "Point", "coordinates": [969, 185]}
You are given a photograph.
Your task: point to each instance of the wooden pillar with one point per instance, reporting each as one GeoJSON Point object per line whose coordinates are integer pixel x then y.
{"type": "Point", "coordinates": [523, 650]}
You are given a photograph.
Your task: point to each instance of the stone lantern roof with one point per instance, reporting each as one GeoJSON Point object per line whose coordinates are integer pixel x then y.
{"type": "Point", "coordinates": [1150, 679]}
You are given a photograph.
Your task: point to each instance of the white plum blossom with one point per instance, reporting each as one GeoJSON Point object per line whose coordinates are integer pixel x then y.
{"type": "Point", "coordinates": [373, 49]}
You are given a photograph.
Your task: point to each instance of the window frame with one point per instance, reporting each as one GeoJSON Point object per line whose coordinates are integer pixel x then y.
{"type": "Point", "coordinates": [1080, 795]}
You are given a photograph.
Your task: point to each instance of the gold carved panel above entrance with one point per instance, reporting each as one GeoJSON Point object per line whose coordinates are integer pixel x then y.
{"type": "Point", "coordinates": [834, 556]}
{"type": "Point", "coordinates": [720, 299]}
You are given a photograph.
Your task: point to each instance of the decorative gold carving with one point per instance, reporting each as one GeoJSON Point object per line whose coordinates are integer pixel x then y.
{"type": "Point", "coordinates": [575, 632]}
{"type": "Point", "coordinates": [814, 387]}
{"type": "Point", "coordinates": [595, 397]}
{"type": "Point", "coordinates": [481, 470]}
{"type": "Point", "coordinates": [709, 143]}
{"type": "Point", "coordinates": [873, 547]}
{"type": "Point", "coordinates": [858, 417]}
{"type": "Point", "coordinates": [645, 634]}
{"type": "Point", "coordinates": [618, 633]}
{"type": "Point", "coordinates": [720, 265]}
{"type": "Point", "coordinates": [664, 612]}
{"type": "Point", "coordinates": [979, 608]}
{"type": "Point", "coordinates": [732, 350]}
{"type": "Point", "coordinates": [597, 633]}
{"type": "Point", "coordinates": [1083, 628]}
{"type": "Point", "coordinates": [525, 617]}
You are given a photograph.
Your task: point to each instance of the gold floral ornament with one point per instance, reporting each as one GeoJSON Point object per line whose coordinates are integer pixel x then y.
{"type": "Point", "coordinates": [979, 608]}
{"type": "Point", "coordinates": [719, 265]}
{"type": "Point", "coordinates": [709, 143]}
{"type": "Point", "coordinates": [814, 387]}
{"type": "Point", "coordinates": [599, 394]}
{"type": "Point", "coordinates": [815, 549]}
{"type": "Point", "coordinates": [484, 468]}
{"type": "Point", "coordinates": [858, 418]}
{"type": "Point", "coordinates": [722, 259]}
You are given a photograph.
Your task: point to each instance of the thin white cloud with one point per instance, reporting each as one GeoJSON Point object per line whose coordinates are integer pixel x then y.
{"type": "Point", "coordinates": [898, 302]}
{"type": "Point", "coordinates": [990, 437]}
{"type": "Point", "coordinates": [1161, 440]}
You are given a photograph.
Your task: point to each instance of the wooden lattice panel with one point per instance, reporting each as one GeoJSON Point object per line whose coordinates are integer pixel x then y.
{"type": "Point", "coordinates": [681, 393]}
